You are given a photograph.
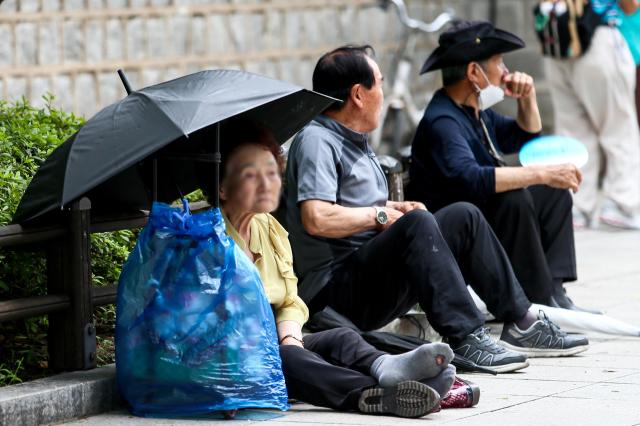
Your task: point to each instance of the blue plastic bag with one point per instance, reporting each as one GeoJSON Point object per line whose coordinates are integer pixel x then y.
{"type": "Point", "coordinates": [194, 330]}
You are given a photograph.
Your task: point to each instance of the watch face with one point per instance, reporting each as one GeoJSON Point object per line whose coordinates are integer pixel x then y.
{"type": "Point", "coordinates": [381, 217]}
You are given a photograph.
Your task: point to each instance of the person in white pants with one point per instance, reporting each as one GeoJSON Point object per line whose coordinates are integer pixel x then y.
{"type": "Point", "coordinates": [593, 100]}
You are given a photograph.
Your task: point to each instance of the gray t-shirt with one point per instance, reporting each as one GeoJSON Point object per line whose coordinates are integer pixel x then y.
{"type": "Point", "coordinates": [330, 162]}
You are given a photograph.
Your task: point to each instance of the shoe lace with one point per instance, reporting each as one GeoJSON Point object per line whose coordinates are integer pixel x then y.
{"type": "Point", "coordinates": [485, 342]}
{"type": "Point", "coordinates": [422, 333]}
{"type": "Point", "coordinates": [553, 327]}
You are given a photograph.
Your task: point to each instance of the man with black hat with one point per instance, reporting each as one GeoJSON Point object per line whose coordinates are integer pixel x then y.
{"type": "Point", "coordinates": [457, 156]}
{"type": "Point", "coordinates": [372, 259]}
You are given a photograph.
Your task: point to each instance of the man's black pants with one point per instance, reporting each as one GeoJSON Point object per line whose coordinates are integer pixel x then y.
{"type": "Point", "coordinates": [414, 261]}
{"type": "Point", "coordinates": [535, 228]}
{"type": "Point", "coordinates": [332, 370]}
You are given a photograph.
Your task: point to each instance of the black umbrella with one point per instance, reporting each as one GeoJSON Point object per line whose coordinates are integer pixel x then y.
{"type": "Point", "coordinates": [143, 148]}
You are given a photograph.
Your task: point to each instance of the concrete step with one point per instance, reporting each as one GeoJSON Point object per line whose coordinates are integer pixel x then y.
{"type": "Point", "coordinates": [59, 398]}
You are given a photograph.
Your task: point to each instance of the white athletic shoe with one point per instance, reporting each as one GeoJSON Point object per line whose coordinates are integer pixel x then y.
{"type": "Point", "coordinates": [580, 219]}
{"type": "Point", "coordinates": [611, 214]}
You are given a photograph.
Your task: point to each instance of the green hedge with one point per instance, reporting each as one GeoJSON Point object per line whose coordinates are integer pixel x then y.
{"type": "Point", "coordinates": [27, 136]}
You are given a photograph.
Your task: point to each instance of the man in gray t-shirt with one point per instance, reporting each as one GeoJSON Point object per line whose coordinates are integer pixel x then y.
{"type": "Point", "coordinates": [372, 259]}
{"type": "Point", "coordinates": [330, 162]}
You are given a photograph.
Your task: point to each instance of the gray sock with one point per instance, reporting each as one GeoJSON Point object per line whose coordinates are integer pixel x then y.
{"type": "Point", "coordinates": [442, 382]}
{"type": "Point", "coordinates": [423, 362]}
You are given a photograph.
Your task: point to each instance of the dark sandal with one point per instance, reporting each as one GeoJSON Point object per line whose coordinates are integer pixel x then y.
{"type": "Point", "coordinates": [406, 399]}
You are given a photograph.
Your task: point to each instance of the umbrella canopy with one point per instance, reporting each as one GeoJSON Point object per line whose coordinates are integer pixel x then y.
{"type": "Point", "coordinates": [572, 321]}
{"type": "Point", "coordinates": [585, 322]}
{"type": "Point", "coordinates": [108, 159]}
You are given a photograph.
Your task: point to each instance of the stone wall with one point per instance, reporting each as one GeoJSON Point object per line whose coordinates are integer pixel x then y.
{"type": "Point", "coordinates": [517, 16]}
{"type": "Point", "coordinates": [72, 48]}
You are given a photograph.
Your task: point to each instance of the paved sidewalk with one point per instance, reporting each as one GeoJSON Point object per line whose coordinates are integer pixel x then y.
{"type": "Point", "coordinates": [599, 386]}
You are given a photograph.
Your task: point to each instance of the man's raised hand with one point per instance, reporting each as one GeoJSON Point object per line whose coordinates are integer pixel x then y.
{"type": "Point", "coordinates": [518, 85]}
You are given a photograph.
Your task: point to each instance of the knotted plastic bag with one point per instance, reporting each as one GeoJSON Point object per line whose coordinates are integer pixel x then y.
{"type": "Point", "coordinates": [194, 330]}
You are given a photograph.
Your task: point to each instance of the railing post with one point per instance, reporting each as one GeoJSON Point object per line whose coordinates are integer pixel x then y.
{"type": "Point", "coordinates": [72, 337]}
{"type": "Point", "coordinates": [56, 285]}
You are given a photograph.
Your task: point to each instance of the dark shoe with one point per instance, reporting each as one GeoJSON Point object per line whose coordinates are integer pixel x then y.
{"type": "Point", "coordinates": [559, 299]}
{"type": "Point", "coordinates": [463, 364]}
{"type": "Point", "coordinates": [542, 339]}
{"type": "Point", "coordinates": [229, 414]}
{"type": "Point", "coordinates": [406, 399]}
{"type": "Point", "coordinates": [480, 348]}
{"type": "Point", "coordinates": [463, 394]}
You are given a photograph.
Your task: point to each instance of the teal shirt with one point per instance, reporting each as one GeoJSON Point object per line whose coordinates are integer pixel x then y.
{"type": "Point", "coordinates": [630, 28]}
{"type": "Point", "coordinates": [609, 10]}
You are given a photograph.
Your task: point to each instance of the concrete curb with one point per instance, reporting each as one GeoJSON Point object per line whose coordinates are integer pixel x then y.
{"type": "Point", "coordinates": [61, 397]}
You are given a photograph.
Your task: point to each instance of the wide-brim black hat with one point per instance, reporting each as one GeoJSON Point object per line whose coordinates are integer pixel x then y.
{"type": "Point", "coordinates": [470, 41]}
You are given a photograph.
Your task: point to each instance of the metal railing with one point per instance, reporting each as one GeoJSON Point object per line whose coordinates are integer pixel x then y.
{"type": "Point", "coordinates": [71, 296]}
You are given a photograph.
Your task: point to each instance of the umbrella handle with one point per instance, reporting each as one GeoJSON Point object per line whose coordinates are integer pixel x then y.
{"type": "Point", "coordinates": [125, 81]}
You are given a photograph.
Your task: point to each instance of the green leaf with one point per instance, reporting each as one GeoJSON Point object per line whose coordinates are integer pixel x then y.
{"type": "Point", "coordinates": [28, 135]}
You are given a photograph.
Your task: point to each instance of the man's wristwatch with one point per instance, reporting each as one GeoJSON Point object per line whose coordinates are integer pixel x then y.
{"type": "Point", "coordinates": [381, 216]}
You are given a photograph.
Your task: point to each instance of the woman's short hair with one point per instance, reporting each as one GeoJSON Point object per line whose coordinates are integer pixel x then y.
{"type": "Point", "coordinates": [339, 70]}
{"type": "Point", "coordinates": [236, 133]}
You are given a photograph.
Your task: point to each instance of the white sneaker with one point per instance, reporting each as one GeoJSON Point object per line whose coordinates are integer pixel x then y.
{"type": "Point", "coordinates": [580, 219]}
{"type": "Point", "coordinates": [613, 215]}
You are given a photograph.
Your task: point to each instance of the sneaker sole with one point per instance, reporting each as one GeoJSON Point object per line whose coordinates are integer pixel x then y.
{"type": "Point", "coordinates": [618, 224]}
{"type": "Point", "coordinates": [406, 399]}
{"type": "Point", "coordinates": [507, 368]}
{"type": "Point", "coordinates": [475, 392]}
{"type": "Point", "coordinates": [545, 353]}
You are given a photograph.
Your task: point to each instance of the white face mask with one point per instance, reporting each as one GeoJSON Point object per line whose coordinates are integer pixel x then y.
{"type": "Point", "coordinates": [490, 95]}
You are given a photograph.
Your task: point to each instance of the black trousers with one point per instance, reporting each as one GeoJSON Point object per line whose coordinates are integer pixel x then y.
{"type": "Point", "coordinates": [535, 228]}
{"type": "Point", "coordinates": [414, 262]}
{"type": "Point", "coordinates": [483, 262]}
{"type": "Point", "coordinates": [331, 371]}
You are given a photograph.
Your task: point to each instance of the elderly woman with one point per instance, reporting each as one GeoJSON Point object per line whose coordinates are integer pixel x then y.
{"type": "Point", "coordinates": [334, 368]}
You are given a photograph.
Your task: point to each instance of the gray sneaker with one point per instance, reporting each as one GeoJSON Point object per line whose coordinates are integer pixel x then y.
{"type": "Point", "coordinates": [480, 348]}
{"type": "Point", "coordinates": [542, 339]}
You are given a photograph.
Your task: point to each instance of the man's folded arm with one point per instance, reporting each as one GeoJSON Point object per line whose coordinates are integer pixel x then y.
{"type": "Point", "coordinates": [510, 178]}
{"type": "Point", "coordinates": [563, 176]}
{"type": "Point", "coordinates": [325, 219]}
